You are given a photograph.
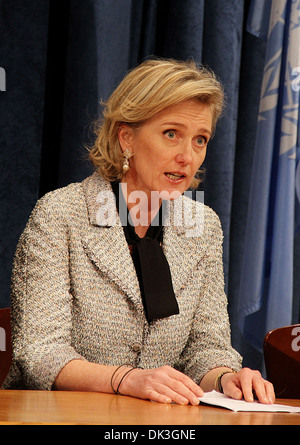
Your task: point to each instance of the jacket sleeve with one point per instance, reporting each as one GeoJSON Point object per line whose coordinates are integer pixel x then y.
{"type": "Point", "coordinates": [209, 343]}
{"type": "Point", "coordinates": [41, 298]}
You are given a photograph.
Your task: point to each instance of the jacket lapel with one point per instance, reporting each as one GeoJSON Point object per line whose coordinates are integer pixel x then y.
{"type": "Point", "coordinates": [104, 241]}
{"type": "Point", "coordinates": [183, 246]}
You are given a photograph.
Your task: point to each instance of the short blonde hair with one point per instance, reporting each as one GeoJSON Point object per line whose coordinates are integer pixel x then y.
{"type": "Point", "coordinates": [146, 90]}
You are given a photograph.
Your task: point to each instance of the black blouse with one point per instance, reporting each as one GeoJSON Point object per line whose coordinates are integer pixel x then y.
{"type": "Point", "coordinates": [150, 262]}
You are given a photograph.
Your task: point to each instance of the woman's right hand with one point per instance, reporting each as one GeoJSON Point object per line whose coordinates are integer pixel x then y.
{"type": "Point", "coordinates": [164, 385]}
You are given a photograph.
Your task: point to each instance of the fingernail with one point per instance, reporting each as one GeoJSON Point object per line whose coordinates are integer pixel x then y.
{"type": "Point", "coordinates": [195, 401]}
{"type": "Point", "coordinates": [237, 395]}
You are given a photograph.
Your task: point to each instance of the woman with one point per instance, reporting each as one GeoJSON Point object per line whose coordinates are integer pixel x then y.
{"type": "Point", "coordinates": [112, 291]}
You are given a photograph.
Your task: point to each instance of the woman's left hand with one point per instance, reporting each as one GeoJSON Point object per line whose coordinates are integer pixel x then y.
{"type": "Point", "coordinates": [248, 384]}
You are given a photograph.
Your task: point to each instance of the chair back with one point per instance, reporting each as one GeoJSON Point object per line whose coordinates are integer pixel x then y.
{"type": "Point", "coordinates": [5, 344]}
{"type": "Point", "coordinates": [282, 360]}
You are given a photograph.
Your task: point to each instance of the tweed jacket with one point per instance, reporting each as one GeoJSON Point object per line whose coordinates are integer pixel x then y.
{"type": "Point", "coordinates": [75, 293]}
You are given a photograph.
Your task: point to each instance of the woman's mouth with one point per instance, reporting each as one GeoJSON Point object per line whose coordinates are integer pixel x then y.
{"type": "Point", "coordinates": [175, 177]}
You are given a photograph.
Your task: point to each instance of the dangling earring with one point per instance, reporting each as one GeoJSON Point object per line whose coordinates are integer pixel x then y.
{"type": "Point", "coordinates": [127, 155]}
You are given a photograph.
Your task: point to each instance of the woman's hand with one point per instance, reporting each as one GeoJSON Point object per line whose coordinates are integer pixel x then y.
{"type": "Point", "coordinates": [248, 384]}
{"type": "Point", "coordinates": [164, 385]}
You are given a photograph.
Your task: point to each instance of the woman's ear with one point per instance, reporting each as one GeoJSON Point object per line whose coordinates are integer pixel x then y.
{"type": "Point", "coordinates": [125, 135]}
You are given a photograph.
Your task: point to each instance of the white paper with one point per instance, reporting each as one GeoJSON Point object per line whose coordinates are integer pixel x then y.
{"type": "Point", "coordinates": [217, 399]}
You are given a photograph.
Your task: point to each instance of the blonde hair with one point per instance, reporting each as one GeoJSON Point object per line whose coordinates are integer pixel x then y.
{"type": "Point", "coordinates": [146, 90]}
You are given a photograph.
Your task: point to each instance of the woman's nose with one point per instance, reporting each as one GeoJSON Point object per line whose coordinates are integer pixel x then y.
{"type": "Point", "coordinates": [184, 155]}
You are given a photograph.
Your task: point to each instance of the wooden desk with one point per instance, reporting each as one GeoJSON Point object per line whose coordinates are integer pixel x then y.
{"type": "Point", "coordinates": [79, 408]}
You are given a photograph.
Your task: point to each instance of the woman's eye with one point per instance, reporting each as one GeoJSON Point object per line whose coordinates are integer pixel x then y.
{"type": "Point", "coordinates": [201, 141]}
{"type": "Point", "coordinates": [170, 134]}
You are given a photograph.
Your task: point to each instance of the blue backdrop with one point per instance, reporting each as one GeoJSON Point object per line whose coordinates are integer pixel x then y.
{"type": "Point", "coordinates": [61, 58]}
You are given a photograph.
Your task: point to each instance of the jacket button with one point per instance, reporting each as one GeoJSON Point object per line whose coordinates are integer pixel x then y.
{"type": "Point", "coordinates": [136, 347]}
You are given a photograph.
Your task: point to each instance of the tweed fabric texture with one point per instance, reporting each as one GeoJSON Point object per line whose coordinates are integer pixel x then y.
{"type": "Point", "coordinates": [75, 292]}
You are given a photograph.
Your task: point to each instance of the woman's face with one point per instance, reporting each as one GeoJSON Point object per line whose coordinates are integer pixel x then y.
{"type": "Point", "coordinates": [168, 148]}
